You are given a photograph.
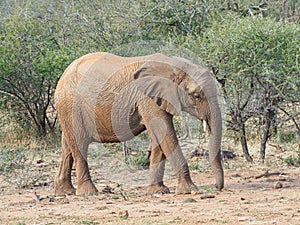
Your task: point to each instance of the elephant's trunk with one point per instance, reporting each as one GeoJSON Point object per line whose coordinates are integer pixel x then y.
{"type": "Point", "coordinates": [214, 121]}
{"type": "Point", "coordinates": [214, 145]}
{"type": "Point", "coordinates": [211, 112]}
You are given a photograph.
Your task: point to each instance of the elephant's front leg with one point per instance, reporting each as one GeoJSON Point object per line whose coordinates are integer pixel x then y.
{"type": "Point", "coordinates": [157, 168]}
{"type": "Point", "coordinates": [161, 130]}
{"type": "Point", "coordinates": [179, 165]}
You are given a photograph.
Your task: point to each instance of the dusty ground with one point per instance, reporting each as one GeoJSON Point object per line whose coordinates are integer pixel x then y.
{"type": "Point", "coordinates": [246, 198]}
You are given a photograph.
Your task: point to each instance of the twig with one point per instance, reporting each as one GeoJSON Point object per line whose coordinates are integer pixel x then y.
{"type": "Point", "coordinates": [268, 174]}
{"type": "Point", "coordinates": [207, 196]}
{"type": "Point", "coordinates": [123, 193]}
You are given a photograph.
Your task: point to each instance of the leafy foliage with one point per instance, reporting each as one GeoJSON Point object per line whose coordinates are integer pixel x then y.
{"type": "Point", "coordinates": [31, 63]}
{"type": "Point", "coordinates": [251, 46]}
{"type": "Point", "coordinates": [256, 63]}
{"type": "Point", "coordinates": [293, 161]}
{"type": "Point", "coordinates": [16, 166]}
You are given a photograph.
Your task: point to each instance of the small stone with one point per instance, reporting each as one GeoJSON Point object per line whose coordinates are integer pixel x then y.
{"type": "Point", "coordinates": [157, 195]}
{"type": "Point", "coordinates": [278, 185]}
{"type": "Point", "coordinates": [39, 161]}
{"type": "Point", "coordinates": [236, 175]}
{"type": "Point", "coordinates": [189, 200]}
{"type": "Point", "coordinates": [244, 219]}
{"type": "Point", "coordinates": [107, 190]}
{"type": "Point", "coordinates": [38, 197]}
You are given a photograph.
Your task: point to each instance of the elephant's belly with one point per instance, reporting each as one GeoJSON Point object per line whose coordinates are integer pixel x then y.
{"type": "Point", "coordinates": [117, 129]}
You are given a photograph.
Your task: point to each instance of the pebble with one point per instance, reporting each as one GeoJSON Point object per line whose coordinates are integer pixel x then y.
{"type": "Point", "coordinates": [189, 200]}
{"type": "Point", "coordinates": [278, 185]}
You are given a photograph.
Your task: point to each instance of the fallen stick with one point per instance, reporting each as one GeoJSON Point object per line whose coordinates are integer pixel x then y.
{"type": "Point", "coordinates": [268, 174]}
{"type": "Point", "coordinates": [207, 196]}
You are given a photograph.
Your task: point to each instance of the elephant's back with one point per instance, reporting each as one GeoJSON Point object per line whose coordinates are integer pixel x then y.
{"type": "Point", "coordinates": [78, 69]}
{"type": "Point", "coordinates": [92, 74]}
{"type": "Point", "coordinates": [95, 67]}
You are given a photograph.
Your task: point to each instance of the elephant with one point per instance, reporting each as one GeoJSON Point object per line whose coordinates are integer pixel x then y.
{"type": "Point", "coordinates": [102, 97]}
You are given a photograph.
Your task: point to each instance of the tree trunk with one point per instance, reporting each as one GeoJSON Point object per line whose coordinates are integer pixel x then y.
{"type": "Point", "coordinates": [266, 134]}
{"type": "Point", "coordinates": [243, 138]}
{"type": "Point", "coordinates": [269, 118]}
{"type": "Point", "coordinates": [244, 143]}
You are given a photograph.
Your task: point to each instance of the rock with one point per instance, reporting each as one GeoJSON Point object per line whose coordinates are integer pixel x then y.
{"type": "Point", "coordinates": [198, 152]}
{"type": "Point", "coordinates": [38, 197]}
{"type": "Point", "coordinates": [39, 161]}
{"type": "Point", "coordinates": [156, 195]}
{"type": "Point", "coordinates": [278, 185]}
{"type": "Point", "coordinates": [107, 190]}
{"type": "Point", "coordinates": [189, 200]}
{"type": "Point", "coordinates": [244, 219]}
{"type": "Point", "coordinates": [236, 175]}
{"type": "Point", "coordinates": [227, 154]}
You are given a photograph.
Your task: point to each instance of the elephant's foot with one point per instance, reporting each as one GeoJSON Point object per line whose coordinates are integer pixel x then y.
{"type": "Point", "coordinates": [186, 187]}
{"type": "Point", "coordinates": [159, 188]}
{"type": "Point", "coordinates": [63, 188]}
{"type": "Point", "coordinates": [86, 188]}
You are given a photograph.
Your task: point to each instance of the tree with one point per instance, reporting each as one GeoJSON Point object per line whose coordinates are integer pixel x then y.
{"type": "Point", "coordinates": [256, 62]}
{"type": "Point", "coordinates": [39, 43]}
{"type": "Point", "coordinates": [40, 38]}
{"type": "Point", "coordinates": [31, 62]}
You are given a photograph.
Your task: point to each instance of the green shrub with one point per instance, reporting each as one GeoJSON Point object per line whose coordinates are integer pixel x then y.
{"type": "Point", "coordinates": [194, 166]}
{"type": "Point", "coordinates": [287, 137]}
{"type": "Point", "coordinates": [140, 159]}
{"type": "Point", "coordinates": [292, 161]}
{"type": "Point", "coordinates": [16, 167]}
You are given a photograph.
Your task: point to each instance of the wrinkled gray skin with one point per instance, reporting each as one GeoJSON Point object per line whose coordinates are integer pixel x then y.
{"type": "Point", "coordinates": [106, 98]}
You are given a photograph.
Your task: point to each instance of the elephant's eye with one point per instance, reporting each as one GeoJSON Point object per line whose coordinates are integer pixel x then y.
{"type": "Point", "coordinates": [197, 96]}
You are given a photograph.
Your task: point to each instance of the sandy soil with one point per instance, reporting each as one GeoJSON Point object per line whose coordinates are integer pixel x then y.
{"type": "Point", "coordinates": [246, 199]}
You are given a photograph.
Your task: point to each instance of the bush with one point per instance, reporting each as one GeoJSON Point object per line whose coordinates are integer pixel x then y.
{"type": "Point", "coordinates": [31, 63]}
{"type": "Point", "coordinates": [255, 61]}
{"type": "Point", "coordinates": [287, 137]}
{"type": "Point", "coordinates": [140, 160]}
{"type": "Point", "coordinates": [292, 161]}
{"type": "Point", "coordinates": [16, 166]}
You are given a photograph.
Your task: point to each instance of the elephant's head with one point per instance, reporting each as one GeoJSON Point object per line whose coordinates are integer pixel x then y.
{"type": "Point", "coordinates": [177, 84]}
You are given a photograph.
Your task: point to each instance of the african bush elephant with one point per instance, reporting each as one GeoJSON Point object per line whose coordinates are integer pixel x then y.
{"type": "Point", "coordinates": [107, 98]}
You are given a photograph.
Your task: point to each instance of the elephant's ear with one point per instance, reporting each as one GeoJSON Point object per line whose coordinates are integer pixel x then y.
{"type": "Point", "coordinates": [168, 95]}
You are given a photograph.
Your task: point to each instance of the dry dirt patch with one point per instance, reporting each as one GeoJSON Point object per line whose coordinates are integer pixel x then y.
{"type": "Point", "coordinates": [247, 199]}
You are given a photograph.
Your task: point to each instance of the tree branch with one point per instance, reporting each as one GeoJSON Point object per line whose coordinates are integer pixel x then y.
{"type": "Point", "coordinates": [290, 117]}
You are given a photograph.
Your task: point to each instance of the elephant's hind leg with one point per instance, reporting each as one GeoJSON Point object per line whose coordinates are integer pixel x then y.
{"type": "Point", "coordinates": [79, 147]}
{"type": "Point", "coordinates": [85, 186]}
{"type": "Point", "coordinates": [62, 183]}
